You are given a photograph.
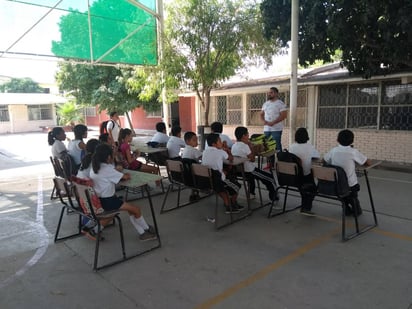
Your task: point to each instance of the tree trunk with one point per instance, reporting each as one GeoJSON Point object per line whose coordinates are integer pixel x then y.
{"type": "Point", "coordinates": [207, 106]}
{"type": "Point", "coordinates": [130, 124]}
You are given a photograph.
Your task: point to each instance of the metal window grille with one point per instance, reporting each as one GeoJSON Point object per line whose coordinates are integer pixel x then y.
{"type": "Point", "coordinates": [396, 110]}
{"type": "Point", "coordinates": [254, 107]}
{"type": "Point", "coordinates": [234, 110]}
{"type": "Point", "coordinates": [90, 111]}
{"type": "Point", "coordinates": [40, 112]}
{"type": "Point", "coordinates": [221, 106]}
{"type": "Point", "coordinates": [4, 113]}
{"type": "Point", "coordinates": [384, 106]}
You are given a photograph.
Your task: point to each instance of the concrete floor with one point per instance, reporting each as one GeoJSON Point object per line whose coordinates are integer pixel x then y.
{"type": "Point", "coordinates": [290, 261]}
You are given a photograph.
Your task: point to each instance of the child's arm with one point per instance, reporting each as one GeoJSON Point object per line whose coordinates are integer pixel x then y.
{"type": "Point", "coordinates": [126, 176]}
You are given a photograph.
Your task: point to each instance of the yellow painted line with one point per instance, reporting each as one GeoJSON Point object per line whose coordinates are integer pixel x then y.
{"type": "Point", "coordinates": [375, 230]}
{"type": "Point", "coordinates": [267, 270]}
{"type": "Point", "coordinates": [391, 234]}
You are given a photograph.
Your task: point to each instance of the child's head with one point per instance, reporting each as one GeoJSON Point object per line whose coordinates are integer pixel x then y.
{"type": "Point", "coordinates": [105, 138]}
{"type": "Point", "coordinates": [216, 127]}
{"type": "Point", "coordinates": [345, 137]}
{"type": "Point", "coordinates": [80, 131]}
{"type": "Point", "coordinates": [241, 133]}
{"type": "Point", "coordinates": [57, 133]}
{"type": "Point", "coordinates": [125, 135]}
{"type": "Point", "coordinates": [161, 127]}
{"type": "Point", "coordinates": [191, 139]}
{"type": "Point", "coordinates": [301, 136]}
{"type": "Point", "coordinates": [91, 145]}
{"type": "Point", "coordinates": [114, 115]}
{"type": "Point", "coordinates": [102, 154]}
{"type": "Point", "coordinates": [176, 131]}
{"type": "Point", "coordinates": [213, 140]}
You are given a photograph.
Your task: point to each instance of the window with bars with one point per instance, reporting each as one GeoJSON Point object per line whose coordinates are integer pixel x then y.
{"type": "Point", "coordinates": [254, 107]}
{"type": "Point", "coordinates": [229, 109]}
{"type": "Point", "coordinates": [90, 111]}
{"type": "Point", "coordinates": [156, 114]}
{"type": "Point", "coordinates": [40, 112]}
{"type": "Point", "coordinates": [385, 106]}
{"type": "Point", "coordinates": [4, 113]}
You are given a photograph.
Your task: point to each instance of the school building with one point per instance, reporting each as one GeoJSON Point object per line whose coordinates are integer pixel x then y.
{"type": "Point", "coordinates": [378, 110]}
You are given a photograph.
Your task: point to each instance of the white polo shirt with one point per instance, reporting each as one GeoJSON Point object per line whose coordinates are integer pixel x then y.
{"type": "Point", "coordinates": [305, 152]}
{"type": "Point", "coordinates": [213, 158]}
{"type": "Point", "coordinates": [346, 157]}
{"type": "Point", "coordinates": [240, 149]}
{"type": "Point", "coordinates": [104, 182]}
{"type": "Point", "coordinates": [174, 144]}
{"type": "Point", "coordinates": [160, 137]}
{"type": "Point", "coordinates": [190, 152]}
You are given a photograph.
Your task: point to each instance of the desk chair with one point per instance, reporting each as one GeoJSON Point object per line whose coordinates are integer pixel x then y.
{"type": "Point", "coordinates": [203, 181]}
{"type": "Point", "coordinates": [180, 176]}
{"type": "Point", "coordinates": [85, 197]}
{"type": "Point", "coordinates": [64, 191]}
{"type": "Point", "coordinates": [329, 186]}
{"type": "Point", "coordinates": [289, 176]}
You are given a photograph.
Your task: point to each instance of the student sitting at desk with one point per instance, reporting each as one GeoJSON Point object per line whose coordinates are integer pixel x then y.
{"type": "Point", "coordinates": [191, 155]}
{"type": "Point", "coordinates": [55, 138]}
{"type": "Point", "coordinates": [160, 136]}
{"type": "Point", "coordinates": [345, 156]}
{"type": "Point", "coordinates": [129, 158]}
{"type": "Point", "coordinates": [86, 165]}
{"type": "Point", "coordinates": [217, 128]}
{"type": "Point", "coordinates": [175, 143]}
{"type": "Point", "coordinates": [243, 148]}
{"type": "Point", "coordinates": [77, 147]}
{"type": "Point", "coordinates": [306, 152]}
{"type": "Point", "coordinates": [213, 158]}
{"type": "Point", "coordinates": [105, 177]}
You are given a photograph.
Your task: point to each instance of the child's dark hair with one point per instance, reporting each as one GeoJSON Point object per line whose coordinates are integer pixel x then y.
{"type": "Point", "coordinates": [104, 138]}
{"type": "Point", "coordinates": [79, 130]}
{"type": "Point", "coordinates": [52, 135]}
{"type": "Point", "coordinates": [123, 133]}
{"type": "Point", "coordinates": [216, 127]}
{"type": "Point", "coordinates": [101, 155]}
{"type": "Point", "coordinates": [346, 137]}
{"type": "Point", "coordinates": [240, 132]}
{"type": "Point", "coordinates": [212, 138]}
{"type": "Point", "coordinates": [112, 114]}
{"type": "Point", "coordinates": [176, 130]}
{"type": "Point", "coordinates": [90, 149]}
{"type": "Point", "coordinates": [188, 136]}
{"type": "Point", "coordinates": [301, 136]}
{"type": "Point", "coordinates": [160, 127]}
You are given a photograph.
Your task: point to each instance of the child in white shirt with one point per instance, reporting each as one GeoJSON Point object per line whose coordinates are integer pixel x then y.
{"type": "Point", "coordinates": [227, 189]}
{"type": "Point", "coordinates": [160, 136]}
{"type": "Point", "coordinates": [175, 143]}
{"type": "Point", "coordinates": [105, 177]}
{"type": "Point", "coordinates": [345, 156]}
{"type": "Point", "coordinates": [242, 148]}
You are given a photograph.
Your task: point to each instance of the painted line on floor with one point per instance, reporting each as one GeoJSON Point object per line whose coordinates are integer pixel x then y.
{"type": "Point", "coordinates": [267, 270]}
{"type": "Point", "coordinates": [44, 238]}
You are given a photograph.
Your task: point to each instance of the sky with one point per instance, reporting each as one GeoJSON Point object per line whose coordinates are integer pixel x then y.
{"type": "Point", "coordinates": [17, 18]}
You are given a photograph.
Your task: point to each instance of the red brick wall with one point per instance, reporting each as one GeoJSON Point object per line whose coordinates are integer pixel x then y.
{"type": "Point", "coordinates": [140, 121]}
{"type": "Point", "coordinates": [187, 115]}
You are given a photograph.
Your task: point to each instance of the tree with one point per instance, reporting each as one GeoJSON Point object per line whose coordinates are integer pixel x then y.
{"type": "Point", "coordinates": [206, 41]}
{"type": "Point", "coordinates": [21, 85]}
{"type": "Point", "coordinates": [69, 113]}
{"type": "Point", "coordinates": [372, 35]}
{"type": "Point", "coordinates": [111, 88]}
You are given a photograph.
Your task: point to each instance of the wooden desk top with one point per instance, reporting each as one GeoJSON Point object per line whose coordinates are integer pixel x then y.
{"type": "Point", "coordinates": [139, 179]}
{"type": "Point", "coordinates": [146, 149]}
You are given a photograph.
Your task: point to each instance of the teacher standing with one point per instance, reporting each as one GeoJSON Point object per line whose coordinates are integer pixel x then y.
{"type": "Point", "coordinates": [274, 111]}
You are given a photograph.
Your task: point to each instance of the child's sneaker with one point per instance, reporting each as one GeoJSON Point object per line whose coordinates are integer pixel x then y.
{"type": "Point", "coordinates": [231, 211]}
{"type": "Point", "coordinates": [151, 230]}
{"type": "Point", "coordinates": [147, 236]}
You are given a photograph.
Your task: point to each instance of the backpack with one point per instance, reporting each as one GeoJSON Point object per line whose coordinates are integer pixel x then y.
{"type": "Point", "coordinates": [328, 188]}
{"type": "Point", "coordinates": [103, 126]}
{"type": "Point", "coordinates": [286, 156]}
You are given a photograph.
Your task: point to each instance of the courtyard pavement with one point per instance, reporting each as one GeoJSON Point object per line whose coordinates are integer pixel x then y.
{"type": "Point", "coordinates": [289, 261]}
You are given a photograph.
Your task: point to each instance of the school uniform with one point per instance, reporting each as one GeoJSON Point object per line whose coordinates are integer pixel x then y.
{"type": "Point", "coordinates": [192, 153]}
{"type": "Point", "coordinates": [174, 144]}
{"type": "Point", "coordinates": [213, 158]}
{"type": "Point", "coordinates": [160, 137]}
{"type": "Point", "coordinates": [104, 184]}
